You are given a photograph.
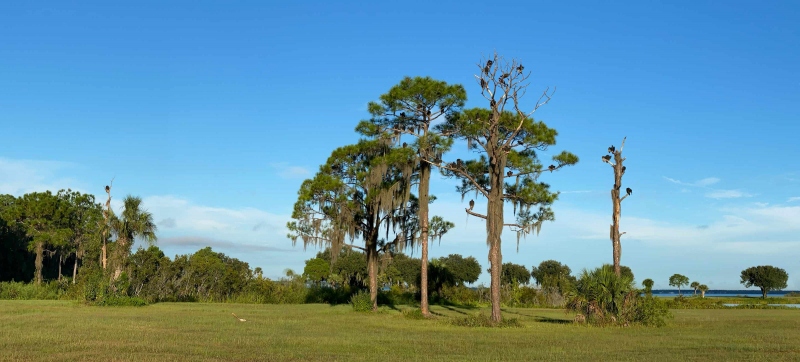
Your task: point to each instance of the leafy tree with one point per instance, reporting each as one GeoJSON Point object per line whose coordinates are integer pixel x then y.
{"type": "Point", "coordinates": [133, 222]}
{"type": "Point", "coordinates": [16, 262]}
{"type": "Point", "coordinates": [42, 217]}
{"type": "Point", "coordinates": [83, 217]}
{"type": "Point", "coordinates": [408, 269]}
{"type": "Point", "coordinates": [515, 273]}
{"type": "Point", "coordinates": [616, 200]}
{"type": "Point", "coordinates": [464, 270]}
{"type": "Point", "coordinates": [409, 109]}
{"type": "Point", "coordinates": [766, 277]}
{"type": "Point", "coordinates": [678, 280]}
{"type": "Point", "coordinates": [508, 139]}
{"type": "Point", "coordinates": [359, 189]}
{"type": "Point", "coordinates": [648, 286]}
{"type": "Point", "coordinates": [703, 289]}
{"type": "Point", "coordinates": [552, 275]}
{"type": "Point", "coordinates": [317, 270]}
{"type": "Point", "coordinates": [624, 270]}
{"type": "Point", "coordinates": [694, 286]}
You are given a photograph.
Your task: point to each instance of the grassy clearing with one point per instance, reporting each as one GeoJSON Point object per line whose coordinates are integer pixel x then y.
{"type": "Point", "coordinates": [66, 331]}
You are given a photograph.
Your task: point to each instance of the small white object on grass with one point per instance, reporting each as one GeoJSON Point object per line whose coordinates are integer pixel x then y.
{"type": "Point", "coordinates": [240, 319]}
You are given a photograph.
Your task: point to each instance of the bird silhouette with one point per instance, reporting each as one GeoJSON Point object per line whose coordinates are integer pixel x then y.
{"type": "Point", "coordinates": [629, 191]}
{"type": "Point", "coordinates": [611, 149]}
{"type": "Point", "coordinates": [471, 204]}
{"type": "Point", "coordinates": [606, 158]}
{"type": "Point", "coordinates": [551, 167]}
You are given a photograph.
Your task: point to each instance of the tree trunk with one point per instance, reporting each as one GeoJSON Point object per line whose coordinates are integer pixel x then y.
{"type": "Point", "coordinates": [39, 262]}
{"type": "Point", "coordinates": [424, 189]}
{"type": "Point", "coordinates": [702, 293]}
{"type": "Point", "coordinates": [764, 293]}
{"type": "Point", "coordinates": [75, 269]}
{"type": "Point", "coordinates": [372, 266]}
{"type": "Point", "coordinates": [494, 229]}
{"type": "Point", "coordinates": [103, 256]}
{"type": "Point", "coordinates": [616, 245]}
{"type": "Point", "coordinates": [60, 262]}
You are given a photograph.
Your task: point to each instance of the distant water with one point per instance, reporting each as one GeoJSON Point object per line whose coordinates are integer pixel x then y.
{"type": "Point", "coordinates": [721, 293]}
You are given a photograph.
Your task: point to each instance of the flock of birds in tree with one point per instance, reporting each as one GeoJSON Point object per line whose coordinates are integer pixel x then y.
{"type": "Point", "coordinates": [607, 159]}
{"type": "Point", "coordinates": [501, 79]}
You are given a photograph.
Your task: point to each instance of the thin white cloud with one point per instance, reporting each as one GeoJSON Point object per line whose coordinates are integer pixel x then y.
{"type": "Point", "coordinates": [18, 177]}
{"type": "Point", "coordinates": [793, 199]}
{"type": "Point", "coordinates": [287, 171]}
{"type": "Point", "coordinates": [198, 242]}
{"type": "Point", "coordinates": [727, 194]}
{"type": "Point", "coordinates": [708, 181]}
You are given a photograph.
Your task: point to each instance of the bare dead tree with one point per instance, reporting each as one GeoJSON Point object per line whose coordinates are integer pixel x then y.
{"type": "Point", "coordinates": [616, 200]}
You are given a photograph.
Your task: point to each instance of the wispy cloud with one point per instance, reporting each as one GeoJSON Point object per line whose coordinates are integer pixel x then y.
{"type": "Point", "coordinates": [793, 199]}
{"type": "Point", "coordinates": [167, 223]}
{"type": "Point", "coordinates": [727, 194]}
{"type": "Point", "coordinates": [202, 242]}
{"type": "Point", "coordinates": [287, 171]}
{"type": "Point", "coordinates": [18, 177]}
{"type": "Point", "coordinates": [708, 181]}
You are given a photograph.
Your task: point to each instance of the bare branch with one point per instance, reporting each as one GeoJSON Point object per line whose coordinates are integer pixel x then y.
{"type": "Point", "coordinates": [475, 213]}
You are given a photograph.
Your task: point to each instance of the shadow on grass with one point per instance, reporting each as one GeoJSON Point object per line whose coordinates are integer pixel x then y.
{"type": "Point", "coordinates": [538, 318]}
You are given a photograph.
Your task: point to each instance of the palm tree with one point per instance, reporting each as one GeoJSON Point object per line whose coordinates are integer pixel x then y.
{"type": "Point", "coordinates": [703, 289]}
{"type": "Point", "coordinates": [648, 286]}
{"type": "Point", "coordinates": [694, 286]}
{"type": "Point", "coordinates": [133, 222]}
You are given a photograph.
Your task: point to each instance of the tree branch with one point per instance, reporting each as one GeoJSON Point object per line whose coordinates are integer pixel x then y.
{"type": "Point", "coordinates": [475, 213]}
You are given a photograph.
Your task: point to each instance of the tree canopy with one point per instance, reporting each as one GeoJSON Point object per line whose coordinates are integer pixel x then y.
{"type": "Point", "coordinates": [765, 277]}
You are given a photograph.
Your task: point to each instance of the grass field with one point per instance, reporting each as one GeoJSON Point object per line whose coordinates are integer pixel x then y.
{"type": "Point", "coordinates": [69, 331]}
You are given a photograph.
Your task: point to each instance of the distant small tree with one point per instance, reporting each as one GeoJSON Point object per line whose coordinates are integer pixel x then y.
{"type": "Point", "coordinates": [551, 275]}
{"type": "Point", "coordinates": [766, 277]}
{"type": "Point", "coordinates": [678, 280]}
{"type": "Point", "coordinates": [648, 286]}
{"type": "Point", "coordinates": [317, 270]}
{"type": "Point", "coordinates": [703, 289]}
{"type": "Point", "coordinates": [512, 273]}
{"type": "Point", "coordinates": [694, 286]}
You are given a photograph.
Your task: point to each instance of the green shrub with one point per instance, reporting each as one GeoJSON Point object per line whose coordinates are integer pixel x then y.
{"type": "Point", "coordinates": [31, 291]}
{"type": "Point", "coordinates": [603, 298]}
{"type": "Point", "coordinates": [413, 313]}
{"type": "Point", "coordinates": [483, 320]}
{"type": "Point", "coordinates": [361, 301]}
{"type": "Point", "coordinates": [121, 301]}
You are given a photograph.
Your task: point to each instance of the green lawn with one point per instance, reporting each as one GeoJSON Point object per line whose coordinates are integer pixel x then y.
{"type": "Point", "coordinates": [65, 331]}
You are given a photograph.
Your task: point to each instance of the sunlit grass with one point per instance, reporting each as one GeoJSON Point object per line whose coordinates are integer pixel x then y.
{"type": "Point", "coordinates": [64, 331]}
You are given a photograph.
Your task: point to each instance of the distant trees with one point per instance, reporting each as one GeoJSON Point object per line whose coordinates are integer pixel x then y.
{"type": "Point", "coordinates": [694, 286]}
{"type": "Point", "coordinates": [766, 277]}
{"type": "Point", "coordinates": [551, 275]}
{"type": "Point", "coordinates": [678, 280]}
{"type": "Point", "coordinates": [648, 286]}
{"type": "Point", "coordinates": [514, 274]}
{"type": "Point", "coordinates": [509, 140]}
{"type": "Point", "coordinates": [464, 270]}
{"type": "Point", "coordinates": [703, 289]}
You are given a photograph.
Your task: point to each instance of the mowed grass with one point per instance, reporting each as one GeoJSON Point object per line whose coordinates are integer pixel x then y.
{"type": "Point", "coordinates": [69, 331]}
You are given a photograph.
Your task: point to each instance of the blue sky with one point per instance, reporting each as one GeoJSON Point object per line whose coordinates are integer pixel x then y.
{"type": "Point", "coordinates": [199, 108]}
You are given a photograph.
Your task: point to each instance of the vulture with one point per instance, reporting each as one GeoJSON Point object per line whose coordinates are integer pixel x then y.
{"type": "Point", "coordinates": [520, 68]}
{"type": "Point", "coordinates": [606, 158]}
{"type": "Point", "coordinates": [509, 173]}
{"type": "Point", "coordinates": [611, 149]}
{"type": "Point", "coordinates": [402, 114]}
{"type": "Point", "coordinates": [629, 191]}
{"type": "Point", "coordinates": [108, 188]}
{"type": "Point", "coordinates": [459, 163]}
{"type": "Point", "coordinates": [405, 144]}
{"type": "Point", "coordinates": [486, 69]}
{"type": "Point", "coordinates": [484, 85]}
{"type": "Point", "coordinates": [551, 168]}
{"type": "Point", "coordinates": [489, 63]}
{"type": "Point", "coordinates": [623, 169]}
{"type": "Point", "coordinates": [471, 204]}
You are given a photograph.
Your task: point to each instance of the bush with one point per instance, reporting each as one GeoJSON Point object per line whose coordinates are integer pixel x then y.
{"type": "Point", "coordinates": [413, 313]}
{"type": "Point", "coordinates": [603, 298]}
{"type": "Point", "coordinates": [121, 301]}
{"type": "Point", "coordinates": [361, 301]}
{"type": "Point", "coordinates": [483, 320]}
{"type": "Point", "coordinates": [23, 291]}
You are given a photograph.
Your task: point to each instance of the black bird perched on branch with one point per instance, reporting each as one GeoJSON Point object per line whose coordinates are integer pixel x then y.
{"type": "Point", "coordinates": [405, 144]}
{"type": "Point", "coordinates": [629, 191]}
{"type": "Point", "coordinates": [486, 70]}
{"type": "Point", "coordinates": [489, 63]}
{"type": "Point", "coordinates": [551, 168]}
{"type": "Point", "coordinates": [459, 163]}
{"type": "Point", "coordinates": [471, 204]}
{"type": "Point", "coordinates": [606, 158]}
{"type": "Point", "coordinates": [484, 85]}
{"type": "Point", "coordinates": [108, 188]}
{"type": "Point", "coordinates": [611, 149]}
{"type": "Point", "coordinates": [623, 169]}
{"type": "Point", "coordinates": [509, 173]}
{"type": "Point", "coordinates": [402, 114]}
{"type": "Point", "coordinates": [520, 68]}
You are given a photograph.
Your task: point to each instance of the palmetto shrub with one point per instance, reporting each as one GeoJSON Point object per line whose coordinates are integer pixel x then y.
{"type": "Point", "coordinates": [603, 298]}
